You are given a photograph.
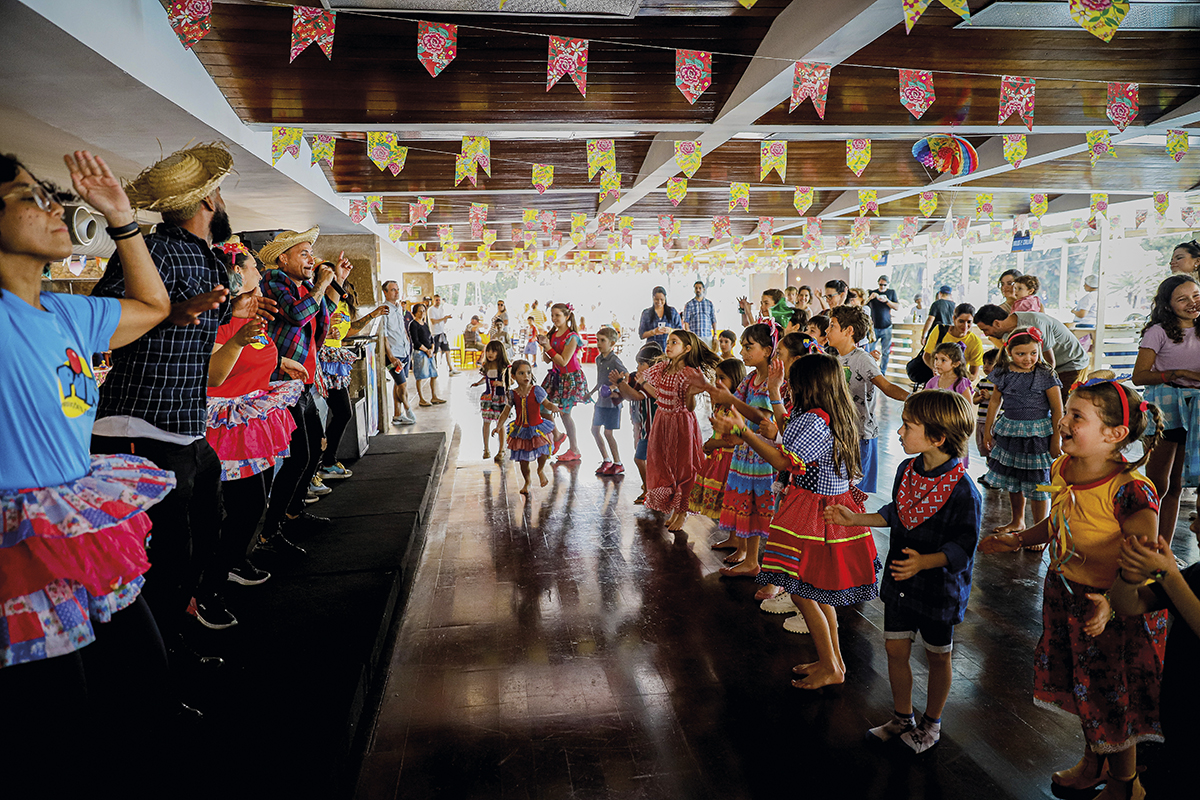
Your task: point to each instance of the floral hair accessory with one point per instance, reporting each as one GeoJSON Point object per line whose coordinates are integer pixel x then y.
{"type": "Point", "coordinates": [1032, 333]}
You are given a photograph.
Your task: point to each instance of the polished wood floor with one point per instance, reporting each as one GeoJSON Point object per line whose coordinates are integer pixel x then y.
{"type": "Point", "coordinates": [568, 646]}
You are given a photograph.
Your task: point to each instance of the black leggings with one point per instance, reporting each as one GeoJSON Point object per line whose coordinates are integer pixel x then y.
{"type": "Point", "coordinates": [335, 426]}
{"type": "Point", "coordinates": [245, 501]}
{"type": "Point", "coordinates": [291, 482]}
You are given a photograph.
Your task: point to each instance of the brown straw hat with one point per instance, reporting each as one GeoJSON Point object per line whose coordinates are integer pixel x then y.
{"type": "Point", "coordinates": [285, 241]}
{"type": "Point", "coordinates": [181, 179]}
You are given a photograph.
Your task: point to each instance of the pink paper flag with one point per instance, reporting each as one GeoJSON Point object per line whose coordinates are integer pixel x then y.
{"type": "Point", "coordinates": [1188, 215]}
{"type": "Point", "coordinates": [418, 212]}
{"type": "Point", "coordinates": [285, 140]}
{"type": "Point", "coordinates": [1177, 144]}
{"type": "Point", "coordinates": [1101, 18]}
{"type": "Point", "coordinates": [543, 176]}
{"type": "Point", "coordinates": [478, 216]}
{"type": "Point", "coordinates": [1016, 96]}
{"type": "Point", "coordinates": [1100, 144]}
{"type": "Point", "coordinates": [802, 199]}
{"type": "Point", "coordinates": [916, 91]}
{"type": "Point", "coordinates": [556, 238]}
{"type": "Point", "coordinates": [437, 45]}
{"type": "Point", "coordinates": [385, 152]}
{"type": "Point", "coordinates": [676, 190]}
{"type": "Point", "coordinates": [961, 226]}
{"type": "Point", "coordinates": [860, 229]}
{"type": "Point", "coordinates": [666, 227]}
{"type": "Point", "coordinates": [189, 20]}
{"type": "Point", "coordinates": [610, 184]}
{"type": "Point", "coordinates": [868, 202]}
{"type": "Point", "coordinates": [606, 221]}
{"type": "Point", "coordinates": [772, 156]}
{"type": "Point", "coordinates": [766, 227]}
{"type": "Point", "coordinates": [739, 195]}
{"type": "Point", "coordinates": [567, 57]}
{"type": "Point", "coordinates": [312, 25]}
{"type": "Point", "coordinates": [858, 155]}
{"type": "Point", "coordinates": [1015, 148]}
{"type": "Point", "coordinates": [549, 220]}
{"type": "Point", "coordinates": [322, 148]}
{"type": "Point", "coordinates": [375, 202]}
{"type": "Point", "coordinates": [913, 9]}
{"type": "Point", "coordinates": [693, 73]}
{"type": "Point", "coordinates": [810, 80]}
{"type": "Point", "coordinates": [358, 210]}
{"type": "Point", "coordinates": [1139, 218]}
{"type": "Point", "coordinates": [1122, 104]}
{"type": "Point", "coordinates": [516, 234]}
{"type": "Point", "coordinates": [720, 227]}
{"type": "Point", "coordinates": [927, 204]}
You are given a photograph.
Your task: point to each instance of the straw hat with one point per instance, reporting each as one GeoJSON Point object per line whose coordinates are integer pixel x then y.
{"type": "Point", "coordinates": [286, 240]}
{"type": "Point", "coordinates": [181, 179]}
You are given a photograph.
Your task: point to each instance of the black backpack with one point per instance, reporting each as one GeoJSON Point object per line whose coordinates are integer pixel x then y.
{"type": "Point", "coordinates": [918, 371]}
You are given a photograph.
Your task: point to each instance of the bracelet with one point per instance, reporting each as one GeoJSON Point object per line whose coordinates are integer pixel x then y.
{"type": "Point", "coordinates": [127, 231]}
{"type": "Point", "coordinates": [738, 430]}
{"type": "Point", "coordinates": [776, 402]}
{"type": "Point", "coordinates": [1163, 375]}
{"type": "Point", "coordinates": [1159, 575]}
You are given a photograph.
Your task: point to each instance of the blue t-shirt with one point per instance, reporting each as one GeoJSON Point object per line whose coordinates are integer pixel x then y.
{"type": "Point", "coordinates": [48, 393]}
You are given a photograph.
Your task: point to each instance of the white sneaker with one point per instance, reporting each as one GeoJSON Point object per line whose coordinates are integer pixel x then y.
{"type": "Point", "coordinates": [795, 624]}
{"type": "Point", "coordinates": [409, 417]}
{"type": "Point", "coordinates": [779, 604]}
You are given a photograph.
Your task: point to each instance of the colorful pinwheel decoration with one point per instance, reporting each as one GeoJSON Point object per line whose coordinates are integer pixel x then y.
{"type": "Point", "coordinates": [947, 153]}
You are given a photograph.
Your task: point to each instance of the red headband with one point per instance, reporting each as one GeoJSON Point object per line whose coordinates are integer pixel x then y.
{"type": "Point", "coordinates": [1032, 333]}
{"type": "Point", "coordinates": [1142, 406]}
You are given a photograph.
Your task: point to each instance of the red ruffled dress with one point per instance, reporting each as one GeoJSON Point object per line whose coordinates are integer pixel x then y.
{"type": "Point", "coordinates": [806, 556]}
{"type": "Point", "coordinates": [529, 435]}
{"type": "Point", "coordinates": [675, 451]}
{"type": "Point", "coordinates": [249, 425]}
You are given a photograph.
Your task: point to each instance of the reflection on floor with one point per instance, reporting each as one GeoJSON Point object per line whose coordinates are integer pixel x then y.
{"type": "Point", "coordinates": [568, 646]}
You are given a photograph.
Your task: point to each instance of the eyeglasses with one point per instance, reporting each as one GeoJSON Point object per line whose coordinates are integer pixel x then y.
{"type": "Point", "coordinates": [44, 199]}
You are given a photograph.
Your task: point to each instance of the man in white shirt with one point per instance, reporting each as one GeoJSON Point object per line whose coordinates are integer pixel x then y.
{"type": "Point", "coordinates": [398, 349]}
{"type": "Point", "coordinates": [1085, 307]}
{"type": "Point", "coordinates": [439, 314]}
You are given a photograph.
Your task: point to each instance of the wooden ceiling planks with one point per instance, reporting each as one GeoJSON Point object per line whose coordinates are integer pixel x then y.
{"type": "Point", "coordinates": [1137, 168]}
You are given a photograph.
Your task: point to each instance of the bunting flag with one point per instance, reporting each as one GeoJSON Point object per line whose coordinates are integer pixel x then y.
{"type": "Point", "coordinates": [766, 227]}
{"type": "Point", "coordinates": [747, 3]}
{"type": "Point", "coordinates": [358, 210]}
{"type": "Point", "coordinates": [666, 227]}
{"type": "Point", "coordinates": [693, 73]}
{"type": "Point", "coordinates": [556, 238]}
{"type": "Point", "coordinates": [437, 45]}
{"type": "Point", "coordinates": [605, 222]}
{"type": "Point", "coordinates": [445, 234]}
{"type": "Point", "coordinates": [739, 195]}
{"type": "Point", "coordinates": [489, 238]}
{"type": "Point", "coordinates": [1038, 204]}
{"type": "Point", "coordinates": [1101, 18]}
{"type": "Point", "coordinates": [189, 20]}
{"type": "Point", "coordinates": [812, 227]}
{"type": "Point", "coordinates": [600, 156]}
{"type": "Point", "coordinates": [676, 190]}
{"type": "Point", "coordinates": [385, 152]}
{"type": "Point", "coordinates": [312, 25]}
{"type": "Point", "coordinates": [1177, 144]}
{"type": "Point", "coordinates": [478, 216]}
{"type": "Point", "coordinates": [610, 183]}
{"type": "Point", "coordinates": [916, 91]}
{"type": "Point", "coordinates": [567, 57]}
{"type": "Point", "coordinates": [396, 232]}
{"type": "Point", "coordinates": [1099, 144]}
{"type": "Point", "coordinates": [529, 216]}
{"type": "Point", "coordinates": [543, 177]}
{"type": "Point", "coordinates": [802, 199]}
{"type": "Point", "coordinates": [1099, 204]}
{"type": "Point", "coordinates": [983, 204]}
{"type": "Point", "coordinates": [810, 81]}
{"type": "Point", "coordinates": [868, 202]}
{"type": "Point", "coordinates": [962, 225]}
{"type": "Point", "coordinates": [1139, 217]}
{"type": "Point", "coordinates": [322, 148]}
{"type": "Point", "coordinates": [1015, 148]}
{"type": "Point", "coordinates": [913, 9]}
{"type": "Point", "coordinates": [415, 247]}
{"type": "Point", "coordinates": [858, 155]}
{"type": "Point", "coordinates": [1122, 104]}
{"type": "Point", "coordinates": [1017, 96]}
{"type": "Point", "coordinates": [735, 243]}
{"type": "Point", "coordinates": [687, 157]}
{"type": "Point", "coordinates": [285, 140]}
{"type": "Point", "coordinates": [927, 204]}
{"type": "Point", "coordinates": [549, 220]}
{"type": "Point", "coordinates": [996, 230]}
{"type": "Point", "coordinates": [1162, 201]}
{"type": "Point", "coordinates": [720, 227]}
{"type": "Point", "coordinates": [1188, 215]}
{"type": "Point", "coordinates": [908, 230]}
{"type": "Point", "coordinates": [859, 231]}
{"type": "Point", "coordinates": [375, 202]}
{"type": "Point", "coordinates": [418, 212]}
{"type": "Point", "coordinates": [772, 156]}
{"type": "Point", "coordinates": [516, 234]}
{"type": "Point", "coordinates": [652, 241]}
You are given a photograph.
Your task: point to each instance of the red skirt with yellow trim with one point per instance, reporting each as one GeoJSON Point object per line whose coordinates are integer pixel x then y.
{"type": "Point", "coordinates": [819, 560]}
{"type": "Point", "coordinates": [708, 492]}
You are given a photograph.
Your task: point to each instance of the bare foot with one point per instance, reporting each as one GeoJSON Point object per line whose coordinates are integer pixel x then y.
{"type": "Point", "coordinates": [728, 544]}
{"type": "Point", "coordinates": [499, 459]}
{"type": "Point", "coordinates": [820, 676]}
{"type": "Point", "coordinates": [744, 570]}
{"type": "Point", "coordinates": [542, 477]}
{"type": "Point", "coordinates": [767, 592]}
{"type": "Point", "coordinates": [1012, 527]}
{"type": "Point", "coordinates": [675, 523]}
{"type": "Point", "coordinates": [525, 488]}
{"type": "Point", "coordinates": [804, 669]}
{"type": "Point", "coordinates": [734, 559]}
{"type": "Point", "coordinates": [487, 454]}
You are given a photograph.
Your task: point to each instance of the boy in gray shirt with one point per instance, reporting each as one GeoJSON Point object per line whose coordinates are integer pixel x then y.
{"type": "Point", "coordinates": [607, 413]}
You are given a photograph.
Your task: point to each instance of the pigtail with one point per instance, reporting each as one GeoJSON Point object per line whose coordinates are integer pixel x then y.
{"type": "Point", "coordinates": [1151, 439]}
{"type": "Point", "coordinates": [1118, 404]}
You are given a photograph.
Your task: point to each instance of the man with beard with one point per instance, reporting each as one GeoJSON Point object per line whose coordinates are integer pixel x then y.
{"type": "Point", "coordinates": [153, 403]}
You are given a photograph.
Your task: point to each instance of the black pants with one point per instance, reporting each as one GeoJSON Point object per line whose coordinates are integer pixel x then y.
{"type": "Point", "coordinates": [186, 537]}
{"type": "Point", "coordinates": [291, 482]}
{"type": "Point", "coordinates": [245, 501]}
{"type": "Point", "coordinates": [335, 426]}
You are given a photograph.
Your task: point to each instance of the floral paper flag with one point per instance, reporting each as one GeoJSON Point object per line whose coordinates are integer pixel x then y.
{"type": "Point", "coordinates": [927, 204]}
{"type": "Point", "coordinates": [322, 148]}
{"type": "Point", "coordinates": [556, 238]}
{"type": "Point", "coordinates": [858, 155]}
{"type": "Point", "coordinates": [1099, 203]}
{"type": "Point", "coordinates": [437, 45]}
{"type": "Point", "coordinates": [600, 156]}
{"type": "Point", "coordinates": [358, 210]}
{"type": "Point", "coordinates": [1038, 203]}
{"type": "Point", "coordinates": [1139, 218]}
{"type": "Point", "coordinates": [766, 227]}
{"type": "Point", "coordinates": [516, 234]}
{"type": "Point", "coordinates": [908, 230]}
{"type": "Point", "coordinates": [720, 227]}
{"type": "Point", "coordinates": [996, 230]}
{"type": "Point", "coordinates": [913, 9]}
{"type": "Point", "coordinates": [1122, 104]}
{"type": "Point", "coordinates": [1099, 144]}
{"type": "Point", "coordinates": [1162, 201]}
{"type": "Point", "coordinates": [415, 247]}
{"type": "Point", "coordinates": [445, 234]}
{"type": "Point", "coordinates": [812, 227]}
{"type": "Point", "coordinates": [375, 202]}
{"type": "Point", "coordinates": [610, 183]}
{"type": "Point", "coordinates": [772, 156]}
{"type": "Point", "coordinates": [549, 220]}
{"type": "Point", "coordinates": [1017, 96]}
{"type": "Point", "coordinates": [666, 227]}
{"type": "Point", "coordinates": [605, 222]}
{"type": "Point", "coordinates": [961, 226]}
{"type": "Point", "coordinates": [916, 91]}
{"type": "Point", "coordinates": [859, 231]}
{"type": "Point", "coordinates": [802, 199]}
{"type": "Point", "coordinates": [687, 157]}
{"type": "Point", "coordinates": [1101, 18]}
{"type": "Point", "coordinates": [868, 202]}
{"type": "Point", "coordinates": [747, 3]}
{"type": "Point", "coordinates": [478, 216]}
{"type": "Point", "coordinates": [395, 232]}
{"type": "Point", "coordinates": [529, 216]}
{"type": "Point", "coordinates": [567, 57]}
{"type": "Point", "coordinates": [652, 241]}
{"type": "Point", "coordinates": [676, 190]}
{"type": "Point", "coordinates": [983, 204]}
{"type": "Point", "coordinates": [1177, 144]}
{"type": "Point", "coordinates": [285, 140]}
{"type": "Point", "coordinates": [1188, 215]}
{"type": "Point", "coordinates": [735, 243]}
{"type": "Point", "coordinates": [189, 20]}
{"type": "Point", "coordinates": [543, 176]}
{"type": "Point", "coordinates": [1015, 148]}
{"type": "Point", "coordinates": [312, 25]}
{"type": "Point", "coordinates": [810, 80]}
{"type": "Point", "coordinates": [418, 212]}
{"type": "Point", "coordinates": [693, 73]}
{"type": "Point", "coordinates": [739, 195]}
{"type": "Point", "coordinates": [489, 238]}
{"type": "Point", "coordinates": [384, 152]}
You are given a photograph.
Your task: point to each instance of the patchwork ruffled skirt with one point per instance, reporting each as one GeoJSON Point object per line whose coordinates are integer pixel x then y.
{"type": "Point", "coordinates": [251, 432]}
{"type": "Point", "coordinates": [1020, 459]}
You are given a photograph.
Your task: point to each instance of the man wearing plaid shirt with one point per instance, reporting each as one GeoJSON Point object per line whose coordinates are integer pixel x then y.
{"type": "Point", "coordinates": [699, 316]}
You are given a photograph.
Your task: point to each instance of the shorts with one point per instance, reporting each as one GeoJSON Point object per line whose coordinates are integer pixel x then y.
{"type": "Point", "coordinates": [899, 623]}
{"type": "Point", "coordinates": [868, 451]}
{"type": "Point", "coordinates": [639, 453]}
{"type": "Point", "coordinates": [440, 342]}
{"type": "Point", "coordinates": [609, 418]}
{"type": "Point", "coordinates": [401, 375]}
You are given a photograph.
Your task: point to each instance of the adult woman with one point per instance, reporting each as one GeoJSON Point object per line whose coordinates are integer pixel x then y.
{"type": "Point", "coordinates": [836, 293]}
{"type": "Point", "coordinates": [1186, 257]}
{"type": "Point", "coordinates": [804, 300]}
{"type": "Point", "coordinates": [659, 319]}
{"type": "Point", "coordinates": [423, 366]}
{"type": "Point", "coordinates": [73, 526]}
{"type": "Point", "coordinates": [500, 324]}
{"type": "Point", "coordinates": [1006, 287]}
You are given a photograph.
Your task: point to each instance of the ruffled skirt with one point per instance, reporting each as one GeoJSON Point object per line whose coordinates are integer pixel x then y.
{"type": "Point", "coordinates": [708, 492]}
{"type": "Point", "coordinates": [674, 455]}
{"type": "Point", "coordinates": [336, 363]}
{"type": "Point", "coordinates": [748, 502]}
{"type": "Point", "coordinates": [1020, 459]}
{"type": "Point", "coordinates": [490, 405]}
{"type": "Point", "coordinates": [251, 432]}
{"type": "Point", "coordinates": [566, 389]}
{"type": "Point", "coordinates": [530, 442]}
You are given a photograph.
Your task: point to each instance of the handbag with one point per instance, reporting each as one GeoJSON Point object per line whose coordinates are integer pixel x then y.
{"type": "Point", "coordinates": [917, 370]}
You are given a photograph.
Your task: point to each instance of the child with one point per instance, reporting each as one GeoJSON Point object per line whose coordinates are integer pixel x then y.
{"type": "Point", "coordinates": [817, 328]}
{"type": "Point", "coordinates": [1021, 442]}
{"type": "Point", "coordinates": [934, 519]}
{"type": "Point", "coordinates": [847, 326]}
{"type": "Point", "coordinates": [797, 322]}
{"type": "Point", "coordinates": [564, 383]}
{"type": "Point", "coordinates": [1104, 669]}
{"type": "Point", "coordinates": [708, 492]}
{"type": "Point", "coordinates": [675, 452]}
{"type": "Point", "coordinates": [726, 342]}
{"type": "Point", "coordinates": [1024, 291]}
{"type": "Point", "coordinates": [530, 436]}
{"type": "Point", "coordinates": [981, 398]}
{"type": "Point", "coordinates": [531, 340]}
{"type": "Point", "coordinates": [820, 564]}
{"type": "Point", "coordinates": [950, 370]}
{"type": "Point", "coordinates": [644, 407]}
{"type": "Point", "coordinates": [607, 414]}
{"type": "Point", "coordinates": [495, 373]}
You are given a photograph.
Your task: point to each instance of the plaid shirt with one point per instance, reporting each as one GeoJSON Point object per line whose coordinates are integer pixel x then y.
{"type": "Point", "coordinates": [162, 377]}
{"type": "Point", "coordinates": [700, 318]}
{"type": "Point", "coordinates": [290, 329]}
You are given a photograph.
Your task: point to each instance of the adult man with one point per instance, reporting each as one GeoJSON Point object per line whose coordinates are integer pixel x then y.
{"type": "Point", "coordinates": [1085, 308]}
{"type": "Point", "coordinates": [699, 316]}
{"type": "Point", "coordinates": [882, 302]}
{"type": "Point", "coordinates": [292, 279]}
{"type": "Point", "coordinates": [959, 333]}
{"type": "Point", "coordinates": [154, 401]}
{"type": "Point", "coordinates": [941, 310]}
{"type": "Point", "coordinates": [439, 314]}
{"type": "Point", "coordinates": [398, 349]}
{"type": "Point", "coordinates": [1060, 349]}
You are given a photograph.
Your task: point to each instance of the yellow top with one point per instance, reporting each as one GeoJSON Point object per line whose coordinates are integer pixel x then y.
{"type": "Point", "coordinates": [339, 325]}
{"type": "Point", "coordinates": [974, 347]}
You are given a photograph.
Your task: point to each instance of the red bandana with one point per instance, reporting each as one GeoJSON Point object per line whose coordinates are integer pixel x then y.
{"type": "Point", "coordinates": [919, 498]}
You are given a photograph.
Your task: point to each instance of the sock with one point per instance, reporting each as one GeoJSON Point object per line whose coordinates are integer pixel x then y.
{"type": "Point", "coordinates": [930, 722]}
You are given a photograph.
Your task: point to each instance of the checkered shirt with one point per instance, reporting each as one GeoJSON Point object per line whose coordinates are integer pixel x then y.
{"type": "Point", "coordinates": [808, 444]}
{"type": "Point", "coordinates": [700, 318]}
{"type": "Point", "coordinates": [290, 330]}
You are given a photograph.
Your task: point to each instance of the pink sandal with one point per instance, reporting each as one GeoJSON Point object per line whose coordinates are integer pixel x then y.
{"type": "Point", "coordinates": [570, 455]}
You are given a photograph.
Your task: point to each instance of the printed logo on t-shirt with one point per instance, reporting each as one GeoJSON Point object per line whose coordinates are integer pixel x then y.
{"type": "Point", "coordinates": [76, 385]}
